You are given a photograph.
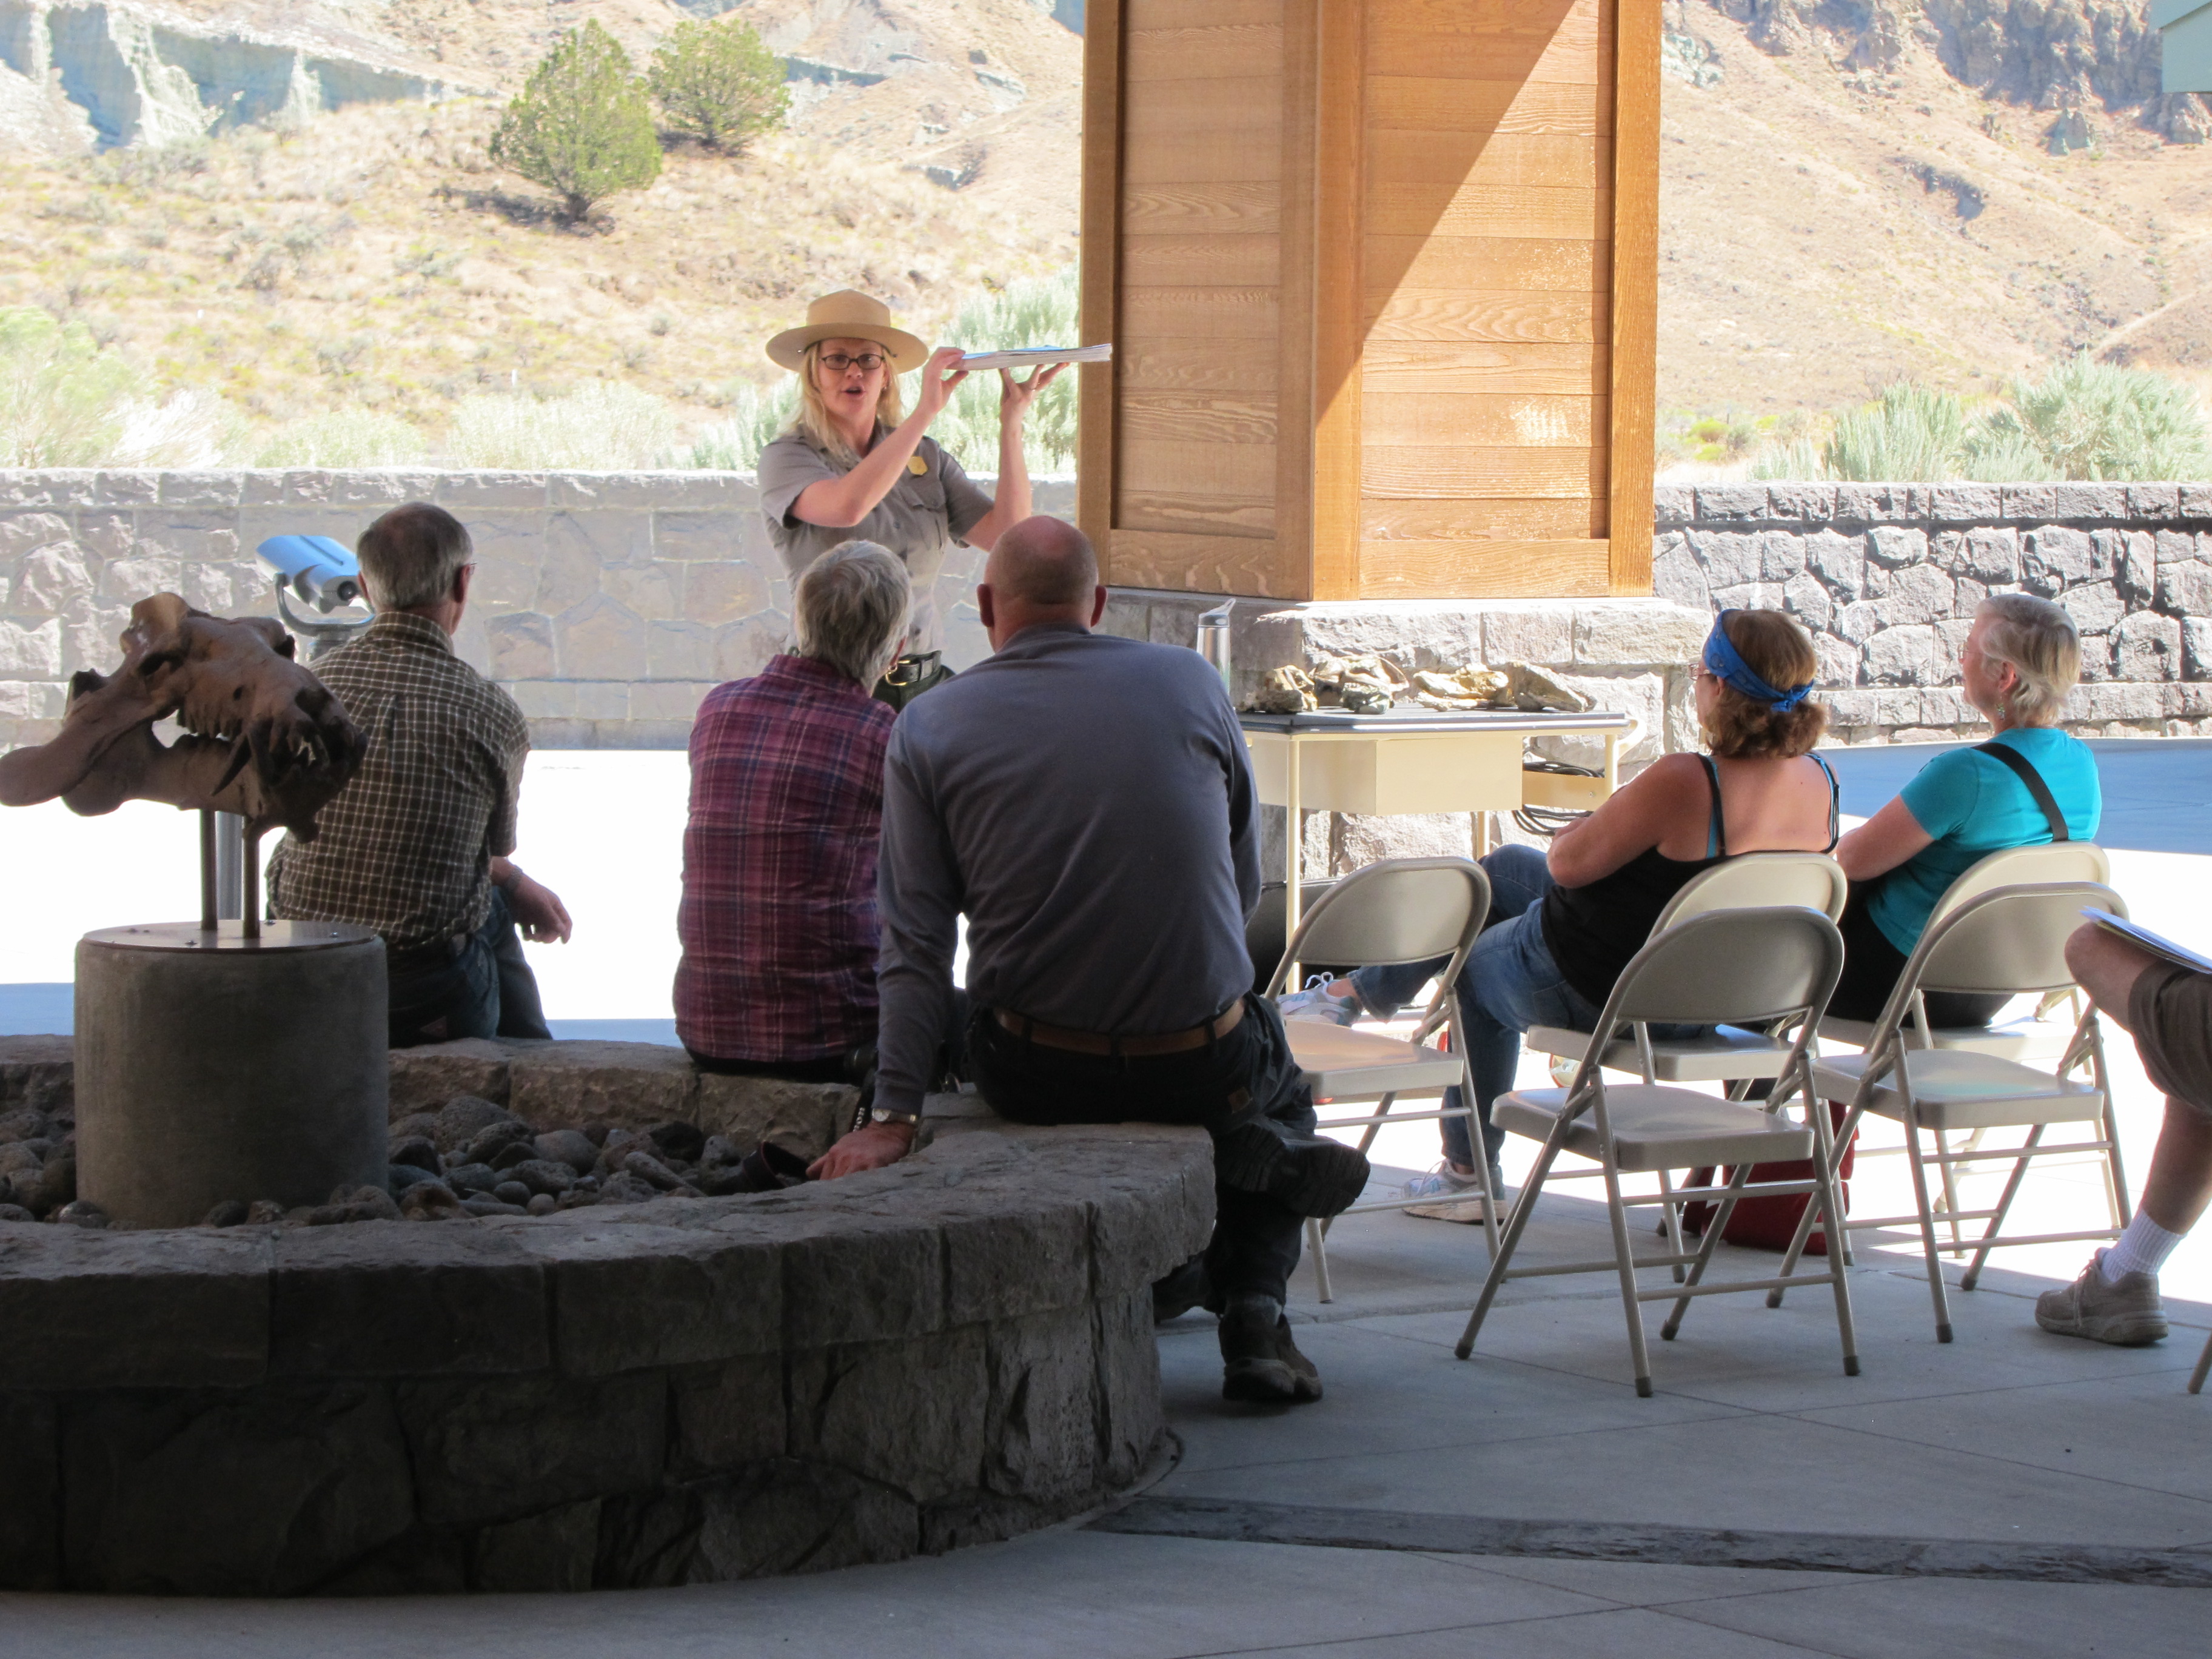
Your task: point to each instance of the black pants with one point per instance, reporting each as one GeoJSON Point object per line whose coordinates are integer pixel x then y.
{"type": "Point", "coordinates": [1248, 1074]}
{"type": "Point", "coordinates": [1872, 967]}
{"type": "Point", "coordinates": [487, 989]}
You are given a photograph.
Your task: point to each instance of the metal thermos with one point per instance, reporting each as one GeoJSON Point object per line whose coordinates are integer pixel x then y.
{"type": "Point", "coordinates": [1213, 642]}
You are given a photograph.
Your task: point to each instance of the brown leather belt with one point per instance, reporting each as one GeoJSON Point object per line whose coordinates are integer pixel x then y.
{"type": "Point", "coordinates": [1136, 1047]}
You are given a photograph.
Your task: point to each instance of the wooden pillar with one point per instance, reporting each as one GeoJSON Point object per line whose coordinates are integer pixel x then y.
{"type": "Point", "coordinates": [1381, 277]}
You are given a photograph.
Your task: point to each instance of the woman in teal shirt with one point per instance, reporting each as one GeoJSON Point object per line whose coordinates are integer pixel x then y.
{"type": "Point", "coordinates": [2021, 657]}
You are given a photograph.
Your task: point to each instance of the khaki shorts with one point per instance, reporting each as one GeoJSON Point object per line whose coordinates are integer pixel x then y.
{"type": "Point", "coordinates": [2170, 1011]}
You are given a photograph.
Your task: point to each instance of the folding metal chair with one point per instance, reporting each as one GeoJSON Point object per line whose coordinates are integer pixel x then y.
{"type": "Point", "coordinates": [1772, 968]}
{"type": "Point", "coordinates": [2011, 938]}
{"type": "Point", "coordinates": [1397, 911]}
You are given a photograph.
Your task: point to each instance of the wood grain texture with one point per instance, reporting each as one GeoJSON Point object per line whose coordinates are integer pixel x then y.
{"type": "Point", "coordinates": [1463, 520]}
{"type": "Point", "coordinates": [1293, 484]}
{"type": "Point", "coordinates": [1423, 471]}
{"type": "Point", "coordinates": [1212, 260]}
{"type": "Point", "coordinates": [1101, 197]}
{"type": "Point", "coordinates": [1244, 105]}
{"type": "Point", "coordinates": [1150, 16]}
{"type": "Point", "coordinates": [1339, 336]}
{"type": "Point", "coordinates": [1551, 161]}
{"type": "Point", "coordinates": [1201, 313]}
{"type": "Point", "coordinates": [1231, 470]}
{"type": "Point", "coordinates": [1198, 516]}
{"type": "Point", "coordinates": [1222, 209]}
{"type": "Point", "coordinates": [1247, 566]}
{"type": "Point", "coordinates": [1395, 210]}
{"type": "Point", "coordinates": [1164, 362]}
{"type": "Point", "coordinates": [1483, 570]}
{"type": "Point", "coordinates": [1153, 159]}
{"type": "Point", "coordinates": [1635, 295]}
{"type": "Point", "coordinates": [1489, 314]}
{"type": "Point", "coordinates": [1205, 53]}
{"type": "Point", "coordinates": [1564, 264]}
{"type": "Point", "coordinates": [1564, 370]}
{"type": "Point", "coordinates": [1435, 419]}
{"type": "Point", "coordinates": [1435, 103]}
{"type": "Point", "coordinates": [1193, 417]}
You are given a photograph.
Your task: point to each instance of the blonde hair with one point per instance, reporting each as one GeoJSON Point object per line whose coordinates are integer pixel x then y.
{"type": "Point", "coordinates": [2040, 642]}
{"type": "Point", "coordinates": [811, 420]}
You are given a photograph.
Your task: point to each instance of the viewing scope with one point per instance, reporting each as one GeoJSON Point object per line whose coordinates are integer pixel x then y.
{"type": "Point", "coordinates": [319, 570]}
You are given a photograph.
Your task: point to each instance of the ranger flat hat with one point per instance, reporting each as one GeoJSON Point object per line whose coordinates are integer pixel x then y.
{"type": "Point", "coordinates": [847, 314]}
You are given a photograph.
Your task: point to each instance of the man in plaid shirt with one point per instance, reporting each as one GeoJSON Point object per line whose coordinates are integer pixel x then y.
{"type": "Point", "coordinates": [416, 846]}
{"type": "Point", "coordinates": [778, 919]}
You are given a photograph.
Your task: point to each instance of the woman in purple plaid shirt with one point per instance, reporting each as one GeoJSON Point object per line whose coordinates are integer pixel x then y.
{"type": "Point", "coordinates": [778, 920]}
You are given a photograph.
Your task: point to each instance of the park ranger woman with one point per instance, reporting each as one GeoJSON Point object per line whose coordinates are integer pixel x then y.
{"type": "Point", "coordinates": [854, 466]}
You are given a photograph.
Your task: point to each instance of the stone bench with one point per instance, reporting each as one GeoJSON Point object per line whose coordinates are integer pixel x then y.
{"type": "Point", "coordinates": [951, 1351]}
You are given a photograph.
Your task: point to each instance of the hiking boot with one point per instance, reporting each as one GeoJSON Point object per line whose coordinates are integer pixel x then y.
{"type": "Point", "coordinates": [1313, 1175]}
{"type": "Point", "coordinates": [2126, 1313]}
{"type": "Point", "coordinates": [1188, 1286]}
{"type": "Point", "coordinates": [1260, 1363]}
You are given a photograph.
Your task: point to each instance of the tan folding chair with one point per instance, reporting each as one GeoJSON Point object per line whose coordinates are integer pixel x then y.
{"type": "Point", "coordinates": [1772, 967]}
{"type": "Point", "coordinates": [1397, 911]}
{"type": "Point", "coordinates": [1728, 1053]}
{"type": "Point", "coordinates": [2010, 938]}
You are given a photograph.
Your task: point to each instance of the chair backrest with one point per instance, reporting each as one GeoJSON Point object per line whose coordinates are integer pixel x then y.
{"type": "Point", "coordinates": [1397, 910]}
{"type": "Point", "coordinates": [1752, 881]}
{"type": "Point", "coordinates": [1735, 967]}
{"type": "Point", "coordinates": [2026, 866]}
{"type": "Point", "coordinates": [2009, 939]}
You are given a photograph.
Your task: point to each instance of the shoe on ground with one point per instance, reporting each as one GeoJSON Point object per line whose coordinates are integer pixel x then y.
{"type": "Point", "coordinates": [1188, 1286]}
{"type": "Point", "coordinates": [1445, 1183]}
{"type": "Point", "coordinates": [1315, 1175]}
{"type": "Point", "coordinates": [2127, 1313]}
{"type": "Point", "coordinates": [1314, 1004]}
{"type": "Point", "coordinates": [1260, 1363]}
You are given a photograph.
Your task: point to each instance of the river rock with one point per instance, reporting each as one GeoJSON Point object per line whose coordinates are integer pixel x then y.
{"type": "Point", "coordinates": [464, 1117]}
{"type": "Point", "coordinates": [515, 1153]}
{"type": "Point", "coordinates": [15, 1212]}
{"type": "Point", "coordinates": [430, 1200]}
{"type": "Point", "coordinates": [398, 1177]}
{"type": "Point", "coordinates": [416, 1123]}
{"type": "Point", "coordinates": [494, 1137]}
{"type": "Point", "coordinates": [569, 1146]}
{"type": "Point", "coordinates": [542, 1204]}
{"type": "Point", "coordinates": [512, 1192]}
{"type": "Point", "coordinates": [231, 1212]}
{"type": "Point", "coordinates": [543, 1175]}
{"type": "Point", "coordinates": [468, 1178]}
{"type": "Point", "coordinates": [23, 1123]}
{"type": "Point", "coordinates": [57, 1186]}
{"type": "Point", "coordinates": [419, 1151]}
{"type": "Point", "coordinates": [81, 1212]}
{"type": "Point", "coordinates": [264, 1212]}
{"type": "Point", "coordinates": [677, 1143]}
{"type": "Point", "coordinates": [485, 1204]}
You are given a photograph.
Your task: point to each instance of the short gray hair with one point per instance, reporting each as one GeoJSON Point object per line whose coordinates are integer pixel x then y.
{"type": "Point", "coordinates": [848, 610]}
{"type": "Point", "coordinates": [410, 555]}
{"type": "Point", "coordinates": [2040, 642]}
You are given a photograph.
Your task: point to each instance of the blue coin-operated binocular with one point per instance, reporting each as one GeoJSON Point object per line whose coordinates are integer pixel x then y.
{"type": "Point", "coordinates": [322, 574]}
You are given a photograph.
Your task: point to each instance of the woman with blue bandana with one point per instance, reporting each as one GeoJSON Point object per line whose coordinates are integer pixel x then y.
{"type": "Point", "coordinates": [1563, 924]}
{"type": "Point", "coordinates": [2030, 783]}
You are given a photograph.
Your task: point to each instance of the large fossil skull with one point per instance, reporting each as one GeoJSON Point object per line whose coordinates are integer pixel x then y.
{"type": "Point", "coordinates": [263, 738]}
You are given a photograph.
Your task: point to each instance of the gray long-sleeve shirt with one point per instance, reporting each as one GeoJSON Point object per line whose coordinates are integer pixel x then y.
{"type": "Point", "coordinates": [1086, 801]}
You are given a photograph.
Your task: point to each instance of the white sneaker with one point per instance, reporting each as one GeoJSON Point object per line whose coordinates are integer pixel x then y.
{"type": "Point", "coordinates": [1316, 1003]}
{"type": "Point", "coordinates": [1444, 1183]}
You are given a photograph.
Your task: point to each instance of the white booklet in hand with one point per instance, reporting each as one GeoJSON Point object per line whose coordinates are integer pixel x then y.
{"type": "Point", "coordinates": [2179, 955]}
{"type": "Point", "coordinates": [1036, 356]}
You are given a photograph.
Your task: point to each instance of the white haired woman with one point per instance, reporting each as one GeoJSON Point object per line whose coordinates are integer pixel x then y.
{"type": "Point", "coordinates": [2030, 783]}
{"type": "Point", "coordinates": [778, 917]}
{"type": "Point", "coordinates": [852, 464]}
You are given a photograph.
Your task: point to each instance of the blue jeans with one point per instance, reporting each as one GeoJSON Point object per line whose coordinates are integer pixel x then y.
{"type": "Point", "coordinates": [486, 990]}
{"type": "Point", "coordinates": [1509, 983]}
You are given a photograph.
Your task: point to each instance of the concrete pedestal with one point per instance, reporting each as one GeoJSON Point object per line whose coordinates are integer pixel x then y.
{"type": "Point", "coordinates": [211, 1066]}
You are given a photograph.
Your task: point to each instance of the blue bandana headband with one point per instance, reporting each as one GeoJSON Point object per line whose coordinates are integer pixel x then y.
{"type": "Point", "coordinates": [1734, 673]}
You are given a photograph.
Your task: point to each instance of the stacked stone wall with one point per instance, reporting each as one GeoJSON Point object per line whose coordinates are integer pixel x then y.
{"type": "Point", "coordinates": [609, 604]}
{"type": "Point", "coordinates": [1888, 576]}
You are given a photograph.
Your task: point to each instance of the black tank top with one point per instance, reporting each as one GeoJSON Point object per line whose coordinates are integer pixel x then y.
{"type": "Point", "coordinates": [1592, 931]}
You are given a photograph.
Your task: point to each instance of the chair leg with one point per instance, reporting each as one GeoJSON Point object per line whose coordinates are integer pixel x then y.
{"type": "Point", "coordinates": [1489, 1193]}
{"type": "Point", "coordinates": [1670, 1224]}
{"type": "Point", "coordinates": [1949, 1202]}
{"type": "Point", "coordinates": [1318, 1248]}
{"type": "Point", "coordinates": [1517, 1222]}
{"type": "Point", "coordinates": [1830, 1195]}
{"type": "Point", "coordinates": [1721, 1213]}
{"type": "Point", "coordinates": [1972, 1276]}
{"type": "Point", "coordinates": [2203, 1366]}
{"type": "Point", "coordinates": [1623, 1253]}
{"type": "Point", "coordinates": [1838, 1241]}
{"type": "Point", "coordinates": [1918, 1159]}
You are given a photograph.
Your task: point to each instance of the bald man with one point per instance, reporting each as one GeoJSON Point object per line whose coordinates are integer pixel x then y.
{"type": "Point", "coordinates": [1086, 802]}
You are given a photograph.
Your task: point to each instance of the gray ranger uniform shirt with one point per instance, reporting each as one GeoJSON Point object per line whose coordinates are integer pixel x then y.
{"type": "Point", "coordinates": [1086, 801]}
{"type": "Point", "coordinates": [924, 515]}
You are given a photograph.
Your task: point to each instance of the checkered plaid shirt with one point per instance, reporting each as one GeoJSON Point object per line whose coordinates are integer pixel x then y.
{"type": "Point", "coordinates": [778, 920]}
{"type": "Point", "coordinates": [406, 846]}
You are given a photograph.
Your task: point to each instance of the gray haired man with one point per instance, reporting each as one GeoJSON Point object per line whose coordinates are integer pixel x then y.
{"type": "Point", "coordinates": [416, 846]}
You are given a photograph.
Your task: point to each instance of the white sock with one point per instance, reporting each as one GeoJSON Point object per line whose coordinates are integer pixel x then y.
{"type": "Point", "coordinates": [2142, 1249]}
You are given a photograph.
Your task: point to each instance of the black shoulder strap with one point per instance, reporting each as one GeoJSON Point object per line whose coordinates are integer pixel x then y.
{"type": "Point", "coordinates": [1835, 800]}
{"type": "Point", "coordinates": [2022, 770]}
{"type": "Point", "coordinates": [1716, 826]}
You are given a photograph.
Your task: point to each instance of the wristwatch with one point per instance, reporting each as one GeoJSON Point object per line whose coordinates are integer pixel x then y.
{"type": "Point", "coordinates": [888, 1115]}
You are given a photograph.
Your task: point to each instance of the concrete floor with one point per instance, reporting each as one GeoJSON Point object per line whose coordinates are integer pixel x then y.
{"type": "Point", "coordinates": [2011, 1494]}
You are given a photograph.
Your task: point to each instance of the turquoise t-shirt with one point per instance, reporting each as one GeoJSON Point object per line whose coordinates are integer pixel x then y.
{"type": "Point", "coordinates": [1974, 805]}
